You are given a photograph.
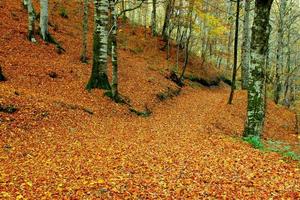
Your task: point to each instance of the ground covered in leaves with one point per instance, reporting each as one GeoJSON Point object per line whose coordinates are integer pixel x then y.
{"type": "Point", "coordinates": [61, 142]}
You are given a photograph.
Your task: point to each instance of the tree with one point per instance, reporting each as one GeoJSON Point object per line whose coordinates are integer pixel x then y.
{"type": "Point", "coordinates": [114, 53]}
{"type": "Point", "coordinates": [188, 38]}
{"type": "Point", "coordinates": [245, 54]}
{"type": "Point", "coordinates": [44, 21]}
{"type": "Point", "coordinates": [168, 14]}
{"type": "Point", "coordinates": [256, 91]}
{"type": "Point", "coordinates": [235, 51]}
{"type": "Point", "coordinates": [31, 19]}
{"type": "Point", "coordinates": [83, 56]}
{"type": "Point", "coordinates": [279, 56]}
{"type": "Point", "coordinates": [99, 77]}
{"type": "Point", "coordinates": [153, 18]}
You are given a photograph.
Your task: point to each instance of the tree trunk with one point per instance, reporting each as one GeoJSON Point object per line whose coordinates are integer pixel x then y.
{"type": "Point", "coordinates": [44, 20]}
{"type": "Point", "coordinates": [31, 19]}
{"type": "Point", "coordinates": [229, 44]}
{"type": "Point", "coordinates": [25, 3]}
{"type": "Point", "coordinates": [259, 45]}
{"type": "Point", "coordinates": [83, 57]}
{"type": "Point", "coordinates": [279, 56]}
{"type": "Point", "coordinates": [153, 19]}
{"type": "Point", "coordinates": [186, 58]}
{"type": "Point", "coordinates": [235, 52]}
{"type": "Point", "coordinates": [99, 77]}
{"type": "Point", "coordinates": [168, 15]}
{"type": "Point", "coordinates": [245, 58]}
{"type": "Point", "coordinates": [114, 55]}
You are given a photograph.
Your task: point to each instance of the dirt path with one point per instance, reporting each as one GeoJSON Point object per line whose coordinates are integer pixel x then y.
{"type": "Point", "coordinates": [176, 153]}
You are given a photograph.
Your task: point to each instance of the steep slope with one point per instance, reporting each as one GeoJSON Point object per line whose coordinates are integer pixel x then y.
{"type": "Point", "coordinates": [64, 142]}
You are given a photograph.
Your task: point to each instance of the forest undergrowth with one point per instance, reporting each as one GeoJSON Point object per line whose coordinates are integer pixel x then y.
{"type": "Point", "coordinates": [62, 142]}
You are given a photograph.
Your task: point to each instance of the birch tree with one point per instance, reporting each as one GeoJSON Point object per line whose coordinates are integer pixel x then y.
{"type": "Point", "coordinates": [99, 77]}
{"type": "Point", "coordinates": [245, 54]}
{"type": "Point", "coordinates": [44, 20]}
{"type": "Point", "coordinates": [114, 55]}
{"type": "Point", "coordinates": [83, 56]}
{"type": "Point", "coordinates": [31, 19]}
{"type": "Point", "coordinates": [256, 85]}
{"type": "Point", "coordinates": [153, 18]}
{"type": "Point", "coordinates": [280, 54]}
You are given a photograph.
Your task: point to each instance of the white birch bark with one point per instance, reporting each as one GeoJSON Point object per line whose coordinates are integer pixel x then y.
{"type": "Point", "coordinates": [256, 86]}
{"type": "Point", "coordinates": [31, 19]}
{"type": "Point", "coordinates": [44, 19]}
{"type": "Point", "coordinates": [280, 54]}
{"type": "Point", "coordinates": [245, 54]}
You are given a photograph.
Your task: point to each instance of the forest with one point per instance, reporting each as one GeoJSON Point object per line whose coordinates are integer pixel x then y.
{"type": "Point", "coordinates": [149, 99]}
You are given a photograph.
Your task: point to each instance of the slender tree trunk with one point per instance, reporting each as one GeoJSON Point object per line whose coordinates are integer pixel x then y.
{"type": "Point", "coordinates": [186, 59]}
{"type": "Point", "coordinates": [31, 19]}
{"type": "Point", "coordinates": [235, 52]}
{"type": "Point", "coordinates": [44, 20]}
{"type": "Point", "coordinates": [123, 8]}
{"type": "Point", "coordinates": [245, 58]}
{"type": "Point", "coordinates": [153, 19]}
{"type": "Point", "coordinates": [114, 55]}
{"type": "Point", "coordinates": [259, 45]}
{"type": "Point", "coordinates": [99, 77]}
{"type": "Point", "coordinates": [230, 35]}
{"type": "Point", "coordinates": [288, 74]}
{"type": "Point", "coordinates": [168, 14]}
{"type": "Point", "coordinates": [85, 23]}
{"type": "Point", "coordinates": [280, 46]}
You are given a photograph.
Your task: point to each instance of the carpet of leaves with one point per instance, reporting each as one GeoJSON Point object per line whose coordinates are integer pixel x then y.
{"type": "Point", "coordinates": [187, 149]}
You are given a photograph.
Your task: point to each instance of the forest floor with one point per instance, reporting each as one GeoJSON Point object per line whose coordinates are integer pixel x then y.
{"type": "Point", "coordinates": [63, 142]}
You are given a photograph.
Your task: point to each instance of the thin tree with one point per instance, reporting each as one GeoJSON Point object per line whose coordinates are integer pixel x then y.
{"type": "Point", "coordinates": [236, 39]}
{"type": "Point", "coordinates": [280, 54]}
{"type": "Point", "coordinates": [168, 14]}
{"type": "Point", "coordinates": [99, 77]}
{"type": "Point", "coordinates": [31, 19]}
{"type": "Point", "coordinates": [83, 56]}
{"type": "Point", "coordinates": [44, 20]}
{"type": "Point", "coordinates": [256, 91]}
{"type": "Point", "coordinates": [189, 35]}
{"type": "Point", "coordinates": [153, 19]}
{"type": "Point", "coordinates": [114, 53]}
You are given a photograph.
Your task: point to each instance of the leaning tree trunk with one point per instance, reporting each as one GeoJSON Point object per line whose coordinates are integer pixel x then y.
{"type": "Point", "coordinates": [153, 19]}
{"type": "Point", "coordinates": [83, 57]}
{"type": "Point", "coordinates": [114, 55]}
{"type": "Point", "coordinates": [279, 56]}
{"type": "Point", "coordinates": [256, 85]}
{"type": "Point", "coordinates": [245, 58]}
{"type": "Point", "coordinates": [44, 20]}
{"type": "Point", "coordinates": [99, 77]}
{"type": "Point", "coordinates": [31, 19]}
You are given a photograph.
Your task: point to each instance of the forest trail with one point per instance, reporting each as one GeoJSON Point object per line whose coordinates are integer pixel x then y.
{"type": "Point", "coordinates": [52, 147]}
{"type": "Point", "coordinates": [177, 152]}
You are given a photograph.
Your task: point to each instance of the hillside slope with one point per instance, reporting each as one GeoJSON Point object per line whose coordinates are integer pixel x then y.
{"type": "Point", "coordinates": [64, 142]}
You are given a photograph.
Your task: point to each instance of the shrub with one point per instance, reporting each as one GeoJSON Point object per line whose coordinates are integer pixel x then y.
{"type": "Point", "coordinates": [254, 141]}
